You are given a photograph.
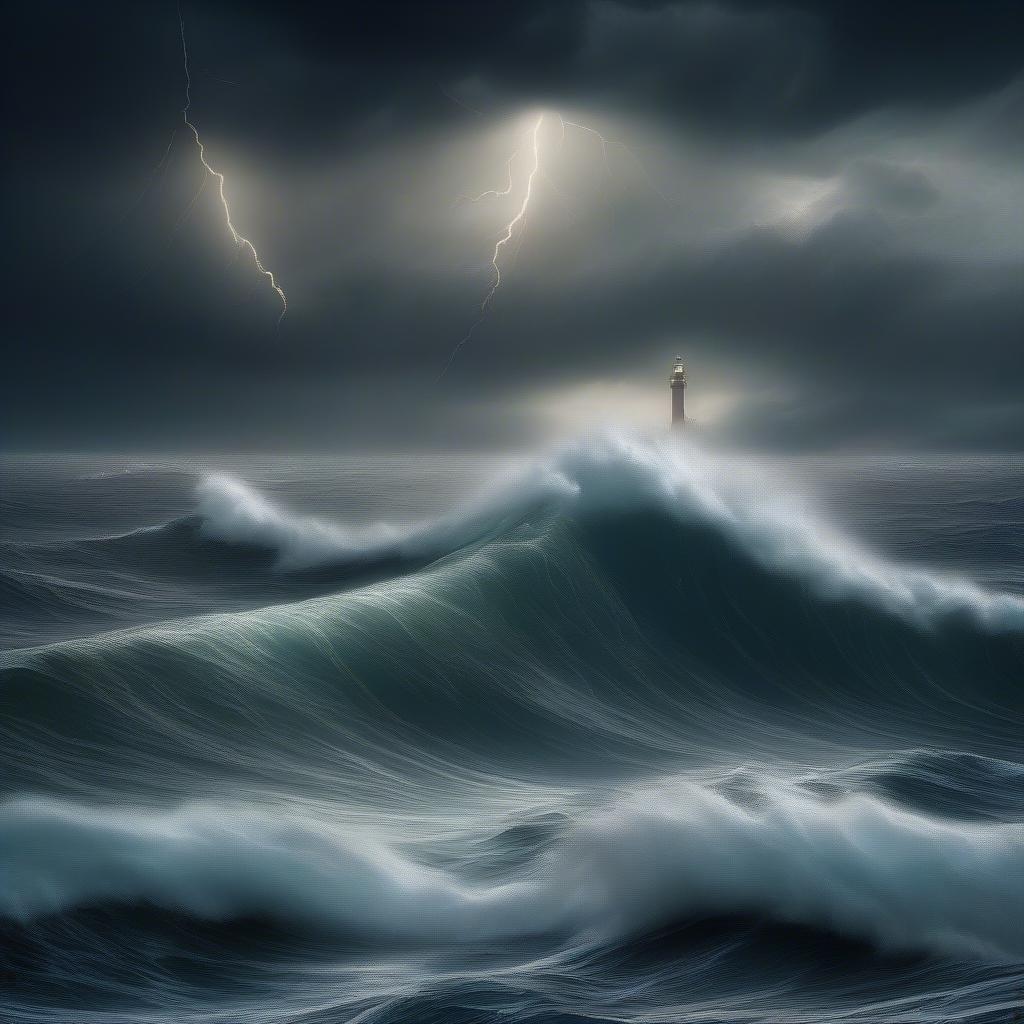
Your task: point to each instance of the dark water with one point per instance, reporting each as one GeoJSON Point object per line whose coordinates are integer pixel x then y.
{"type": "Point", "coordinates": [620, 732]}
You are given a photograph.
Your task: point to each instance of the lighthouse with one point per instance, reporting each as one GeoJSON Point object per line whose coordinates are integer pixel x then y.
{"type": "Point", "coordinates": [677, 385]}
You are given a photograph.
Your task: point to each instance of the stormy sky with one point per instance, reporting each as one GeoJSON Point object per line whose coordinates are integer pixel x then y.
{"type": "Point", "coordinates": [820, 205]}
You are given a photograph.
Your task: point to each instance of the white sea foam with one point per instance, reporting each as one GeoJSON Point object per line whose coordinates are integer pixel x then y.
{"type": "Point", "coordinates": [235, 513]}
{"type": "Point", "coordinates": [858, 867]}
{"type": "Point", "coordinates": [775, 529]}
{"type": "Point", "coordinates": [612, 473]}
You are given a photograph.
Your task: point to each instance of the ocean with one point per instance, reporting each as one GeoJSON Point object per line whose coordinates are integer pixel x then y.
{"type": "Point", "coordinates": [626, 729]}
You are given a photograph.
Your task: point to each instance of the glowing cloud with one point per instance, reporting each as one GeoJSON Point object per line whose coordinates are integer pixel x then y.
{"type": "Point", "coordinates": [519, 217]}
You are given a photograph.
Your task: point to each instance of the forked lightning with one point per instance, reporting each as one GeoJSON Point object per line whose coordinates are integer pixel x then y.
{"type": "Point", "coordinates": [240, 240]}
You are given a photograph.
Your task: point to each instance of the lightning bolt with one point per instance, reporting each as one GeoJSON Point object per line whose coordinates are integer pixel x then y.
{"type": "Point", "coordinates": [498, 193]}
{"type": "Point", "coordinates": [520, 216]}
{"type": "Point", "coordinates": [510, 229]}
{"type": "Point", "coordinates": [241, 242]}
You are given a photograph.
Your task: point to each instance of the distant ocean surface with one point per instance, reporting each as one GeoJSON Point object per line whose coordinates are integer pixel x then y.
{"type": "Point", "coordinates": [624, 730]}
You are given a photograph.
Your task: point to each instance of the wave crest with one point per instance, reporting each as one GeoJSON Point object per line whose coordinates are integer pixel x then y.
{"type": "Point", "coordinates": [234, 513]}
{"type": "Point", "coordinates": [616, 474]}
{"type": "Point", "coordinates": [857, 866]}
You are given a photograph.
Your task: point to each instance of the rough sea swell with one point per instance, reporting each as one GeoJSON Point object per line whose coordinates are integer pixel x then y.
{"type": "Point", "coordinates": [628, 738]}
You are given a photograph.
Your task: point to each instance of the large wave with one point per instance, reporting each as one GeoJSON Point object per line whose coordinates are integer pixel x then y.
{"type": "Point", "coordinates": [856, 866]}
{"type": "Point", "coordinates": [615, 473]}
{"type": "Point", "coordinates": [629, 604]}
{"type": "Point", "coordinates": [234, 513]}
{"type": "Point", "coordinates": [451, 735]}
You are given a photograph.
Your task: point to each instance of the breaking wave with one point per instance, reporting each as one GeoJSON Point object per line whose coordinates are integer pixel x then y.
{"type": "Point", "coordinates": [233, 513]}
{"type": "Point", "coordinates": [857, 866]}
{"type": "Point", "coordinates": [617, 474]}
{"type": "Point", "coordinates": [631, 692]}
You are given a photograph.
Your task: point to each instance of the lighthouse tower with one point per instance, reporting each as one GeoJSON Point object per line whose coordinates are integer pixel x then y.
{"type": "Point", "coordinates": [677, 384]}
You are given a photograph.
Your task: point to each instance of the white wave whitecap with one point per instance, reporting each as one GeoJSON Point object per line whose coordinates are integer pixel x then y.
{"type": "Point", "coordinates": [617, 473]}
{"type": "Point", "coordinates": [858, 867]}
{"type": "Point", "coordinates": [234, 513]}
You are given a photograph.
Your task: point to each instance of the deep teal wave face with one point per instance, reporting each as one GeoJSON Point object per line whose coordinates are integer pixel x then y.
{"type": "Point", "coordinates": [575, 632]}
{"type": "Point", "coordinates": [626, 711]}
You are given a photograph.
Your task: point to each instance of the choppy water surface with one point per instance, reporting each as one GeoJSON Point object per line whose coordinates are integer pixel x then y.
{"type": "Point", "coordinates": [621, 731]}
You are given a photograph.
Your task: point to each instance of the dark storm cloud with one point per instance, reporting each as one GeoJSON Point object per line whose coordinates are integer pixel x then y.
{"type": "Point", "coordinates": [734, 67]}
{"type": "Point", "coordinates": [828, 200]}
